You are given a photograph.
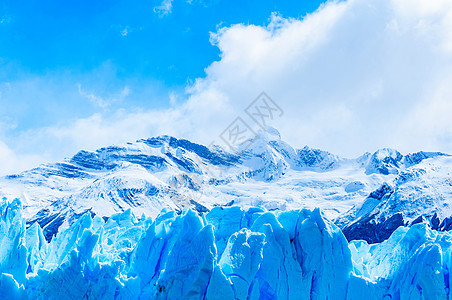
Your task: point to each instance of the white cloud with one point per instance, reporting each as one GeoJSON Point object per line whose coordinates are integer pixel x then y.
{"type": "Point", "coordinates": [164, 8]}
{"type": "Point", "coordinates": [101, 101]}
{"type": "Point", "coordinates": [10, 162]}
{"type": "Point", "coordinates": [352, 77]}
{"type": "Point", "coordinates": [125, 31]}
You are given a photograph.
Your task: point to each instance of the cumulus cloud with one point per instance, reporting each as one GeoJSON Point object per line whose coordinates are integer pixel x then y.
{"type": "Point", "coordinates": [351, 77]}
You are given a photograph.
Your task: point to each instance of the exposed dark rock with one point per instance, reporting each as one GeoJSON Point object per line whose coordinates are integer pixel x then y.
{"type": "Point", "coordinates": [373, 232]}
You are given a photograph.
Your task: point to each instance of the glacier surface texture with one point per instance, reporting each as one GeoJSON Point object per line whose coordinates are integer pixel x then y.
{"type": "Point", "coordinates": [227, 253]}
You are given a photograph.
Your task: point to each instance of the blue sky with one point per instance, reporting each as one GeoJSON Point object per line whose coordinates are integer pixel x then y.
{"type": "Point", "coordinates": [351, 76]}
{"type": "Point", "coordinates": [104, 46]}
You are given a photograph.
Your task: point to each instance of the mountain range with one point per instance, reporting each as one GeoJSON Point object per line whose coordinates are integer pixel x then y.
{"type": "Point", "coordinates": [367, 197]}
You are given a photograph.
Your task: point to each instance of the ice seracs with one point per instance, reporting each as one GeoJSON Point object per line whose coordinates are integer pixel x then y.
{"type": "Point", "coordinates": [227, 253]}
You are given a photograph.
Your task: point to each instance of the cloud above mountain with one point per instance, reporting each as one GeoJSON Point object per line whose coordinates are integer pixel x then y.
{"type": "Point", "coordinates": [351, 77]}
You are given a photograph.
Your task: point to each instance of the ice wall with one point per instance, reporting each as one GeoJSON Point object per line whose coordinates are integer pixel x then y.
{"type": "Point", "coordinates": [227, 253]}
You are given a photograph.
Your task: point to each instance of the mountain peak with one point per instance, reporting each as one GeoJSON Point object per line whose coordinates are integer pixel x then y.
{"type": "Point", "coordinates": [387, 152]}
{"type": "Point", "coordinates": [384, 161]}
{"type": "Point", "coordinates": [269, 134]}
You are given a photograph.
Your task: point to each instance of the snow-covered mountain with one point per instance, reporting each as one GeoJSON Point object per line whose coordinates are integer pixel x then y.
{"type": "Point", "coordinates": [420, 193]}
{"type": "Point", "coordinates": [385, 188]}
{"type": "Point", "coordinates": [165, 218]}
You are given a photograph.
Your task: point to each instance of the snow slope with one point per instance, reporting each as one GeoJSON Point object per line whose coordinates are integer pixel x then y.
{"type": "Point", "coordinates": [165, 172]}
{"type": "Point", "coordinates": [227, 253]}
{"type": "Point", "coordinates": [421, 193]}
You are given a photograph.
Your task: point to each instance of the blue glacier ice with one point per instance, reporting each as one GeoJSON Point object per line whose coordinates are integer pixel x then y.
{"type": "Point", "coordinates": [227, 253]}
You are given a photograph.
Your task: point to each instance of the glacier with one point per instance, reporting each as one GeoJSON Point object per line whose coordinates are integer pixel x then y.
{"type": "Point", "coordinates": [367, 197]}
{"type": "Point", "coordinates": [226, 253]}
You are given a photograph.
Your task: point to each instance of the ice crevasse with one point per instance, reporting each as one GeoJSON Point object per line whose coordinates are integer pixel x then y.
{"type": "Point", "coordinates": [227, 253]}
